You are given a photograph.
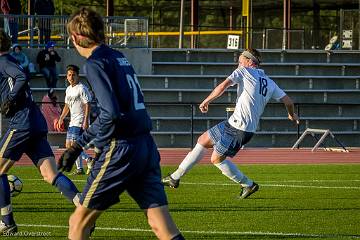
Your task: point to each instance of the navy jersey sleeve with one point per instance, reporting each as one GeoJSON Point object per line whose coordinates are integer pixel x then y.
{"type": "Point", "coordinates": [103, 128]}
{"type": "Point", "coordinates": [18, 79]}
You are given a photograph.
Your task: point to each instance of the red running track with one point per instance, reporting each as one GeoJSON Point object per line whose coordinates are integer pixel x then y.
{"type": "Point", "coordinates": [173, 156]}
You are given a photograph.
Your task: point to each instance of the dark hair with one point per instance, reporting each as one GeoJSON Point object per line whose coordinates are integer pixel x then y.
{"type": "Point", "coordinates": [74, 68]}
{"type": "Point", "coordinates": [87, 27]}
{"type": "Point", "coordinates": [5, 41]}
{"type": "Point", "coordinates": [16, 46]}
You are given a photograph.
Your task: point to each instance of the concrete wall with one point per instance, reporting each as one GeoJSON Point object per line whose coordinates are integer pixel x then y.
{"type": "Point", "coordinates": [140, 58]}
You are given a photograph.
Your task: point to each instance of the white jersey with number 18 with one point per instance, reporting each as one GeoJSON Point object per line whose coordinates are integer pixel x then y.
{"type": "Point", "coordinates": [255, 89]}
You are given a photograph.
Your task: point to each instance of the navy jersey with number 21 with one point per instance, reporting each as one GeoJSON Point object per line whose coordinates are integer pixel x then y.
{"type": "Point", "coordinates": [117, 90]}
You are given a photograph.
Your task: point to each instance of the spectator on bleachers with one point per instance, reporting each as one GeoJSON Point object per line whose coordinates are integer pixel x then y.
{"type": "Point", "coordinates": [10, 23]}
{"type": "Point", "coordinates": [47, 59]}
{"type": "Point", "coordinates": [44, 7]}
{"type": "Point", "coordinates": [50, 108]}
{"type": "Point", "coordinates": [21, 57]}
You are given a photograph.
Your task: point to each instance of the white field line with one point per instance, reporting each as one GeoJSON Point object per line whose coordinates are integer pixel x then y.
{"type": "Point", "coordinates": [273, 185]}
{"type": "Point", "coordinates": [264, 184]}
{"type": "Point", "coordinates": [280, 234]}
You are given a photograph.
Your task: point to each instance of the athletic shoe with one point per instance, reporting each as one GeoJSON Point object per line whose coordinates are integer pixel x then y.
{"type": "Point", "coordinates": [90, 164]}
{"type": "Point", "coordinates": [170, 182]}
{"type": "Point", "coordinates": [7, 230]}
{"type": "Point", "coordinates": [247, 191]}
{"type": "Point", "coordinates": [79, 171]}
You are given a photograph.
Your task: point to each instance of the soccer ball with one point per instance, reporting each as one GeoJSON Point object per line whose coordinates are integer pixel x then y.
{"type": "Point", "coordinates": [16, 185]}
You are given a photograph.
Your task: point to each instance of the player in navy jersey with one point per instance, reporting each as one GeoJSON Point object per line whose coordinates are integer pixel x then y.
{"type": "Point", "coordinates": [26, 133]}
{"type": "Point", "coordinates": [126, 155]}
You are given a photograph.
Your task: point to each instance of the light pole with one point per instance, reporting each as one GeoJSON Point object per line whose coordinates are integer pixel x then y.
{"type": "Point", "coordinates": [181, 28]}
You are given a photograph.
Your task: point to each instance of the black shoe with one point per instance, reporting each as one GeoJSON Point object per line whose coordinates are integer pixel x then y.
{"type": "Point", "coordinates": [7, 230]}
{"type": "Point", "coordinates": [247, 191]}
{"type": "Point", "coordinates": [170, 182]}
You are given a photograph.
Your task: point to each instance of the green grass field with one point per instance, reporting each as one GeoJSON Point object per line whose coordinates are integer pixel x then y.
{"type": "Point", "coordinates": [294, 201]}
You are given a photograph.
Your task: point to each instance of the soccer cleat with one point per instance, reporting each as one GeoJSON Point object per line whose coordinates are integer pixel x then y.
{"type": "Point", "coordinates": [247, 191]}
{"type": "Point", "coordinates": [79, 171]}
{"type": "Point", "coordinates": [7, 230]}
{"type": "Point", "coordinates": [90, 164]}
{"type": "Point", "coordinates": [170, 182]}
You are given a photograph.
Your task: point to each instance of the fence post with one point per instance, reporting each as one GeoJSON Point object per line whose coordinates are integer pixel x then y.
{"type": "Point", "coordinates": [192, 125]}
{"type": "Point", "coordinates": [31, 31]}
{"type": "Point", "coordinates": [298, 125]}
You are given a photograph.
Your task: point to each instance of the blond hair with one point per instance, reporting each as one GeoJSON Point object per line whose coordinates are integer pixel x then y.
{"type": "Point", "coordinates": [87, 27]}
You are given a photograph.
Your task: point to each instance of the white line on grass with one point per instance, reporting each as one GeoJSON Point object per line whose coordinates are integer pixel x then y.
{"type": "Point", "coordinates": [280, 234]}
{"type": "Point", "coordinates": [262, 184]}
{"type": "Point", "coordinates": [272, 185]}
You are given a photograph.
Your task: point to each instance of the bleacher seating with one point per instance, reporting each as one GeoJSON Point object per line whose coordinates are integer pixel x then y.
{"type": "Point", "coordinates": [324, 85]}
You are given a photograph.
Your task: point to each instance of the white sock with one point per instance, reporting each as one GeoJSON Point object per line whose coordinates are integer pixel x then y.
{"type": "Point", "coordinates": [79, 164]}
{"type": "Point", "coordinates": [76, 199]}
{"type": "Point", "coordinates": [189, 161]}
{"type": "Point", "coordinates": [230, 170]}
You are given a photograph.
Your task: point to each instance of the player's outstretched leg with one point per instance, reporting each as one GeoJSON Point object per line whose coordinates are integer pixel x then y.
{"type": "Point", "coordinates": [7, 223]}
{"type": "Point", "coordinates": [162, 223]}
{"type": "Point", "coordinates": [230, 170]}
{"type": "Point", "coordinates": [79, 167]}
{"type": "Point", "coordinates": [173, 180]}
{"type": "Point", "coordinates": [60, 181]}
{"type": "Point", "coordinates": [82, 222]}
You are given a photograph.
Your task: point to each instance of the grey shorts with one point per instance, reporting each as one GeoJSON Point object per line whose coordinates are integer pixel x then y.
{"type": "Point", "coordinates": [227, 139]}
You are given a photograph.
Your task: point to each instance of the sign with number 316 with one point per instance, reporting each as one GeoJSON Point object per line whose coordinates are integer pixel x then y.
{"type": "Point", "coordinates": [233, 42]}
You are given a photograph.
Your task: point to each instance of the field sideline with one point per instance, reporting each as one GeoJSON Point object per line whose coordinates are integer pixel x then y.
{"type": "Point", "coordinates": [173, 156]}
{"type": "Point", "coordinates": [295, 201]}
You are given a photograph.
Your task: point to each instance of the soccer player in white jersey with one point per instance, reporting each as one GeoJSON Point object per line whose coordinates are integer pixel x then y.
{"type": "Point", "coordinates": [255, 89]}
{"type": "Point", "coordinates": [77, 102]}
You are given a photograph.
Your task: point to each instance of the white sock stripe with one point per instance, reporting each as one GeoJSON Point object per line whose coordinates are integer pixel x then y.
{"type": "Point", "coordinates": [6, 210]}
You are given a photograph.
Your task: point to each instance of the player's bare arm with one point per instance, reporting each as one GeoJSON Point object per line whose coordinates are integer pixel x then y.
{"type": "Point", "coordinates": [64, 113]}
{"type": "Point", "coordinates": [217, 92]}
{"type": "Point", "coordinates": [86, 116]}
{"type": "Point", "coordinates": [289, 104]}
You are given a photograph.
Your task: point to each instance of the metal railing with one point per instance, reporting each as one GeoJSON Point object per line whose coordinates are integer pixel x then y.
{"type": "Point", "coordinates": [36, 30]}
{"type": "Point", "coordinates": [191, 114]}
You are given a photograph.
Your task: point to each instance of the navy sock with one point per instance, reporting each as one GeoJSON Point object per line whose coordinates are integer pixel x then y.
{"type": "Point", "coordinates": [5, 202]}
{"type": "Point", "coordinates": [8, 219]}
{"type": "Point", "coordinates": [178, 237]}
{"type": "Point", "coordinates": [65, 186]}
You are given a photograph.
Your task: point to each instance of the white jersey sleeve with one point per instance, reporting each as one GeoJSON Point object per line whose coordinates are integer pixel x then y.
{"type": "Point", "coordinates": [255, 89]}
{"type": "Point", "coordinates": [85, 94]}
{"type": "Point", "coordinates": [76, 97]}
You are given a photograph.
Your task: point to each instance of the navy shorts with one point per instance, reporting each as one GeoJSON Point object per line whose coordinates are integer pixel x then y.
{"type": "Point", "coordinates": [132, 165]}
{"type": "Point", "coordinates": [227, 139]}
{"type": "Point", "coordinates": [17, 142]}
